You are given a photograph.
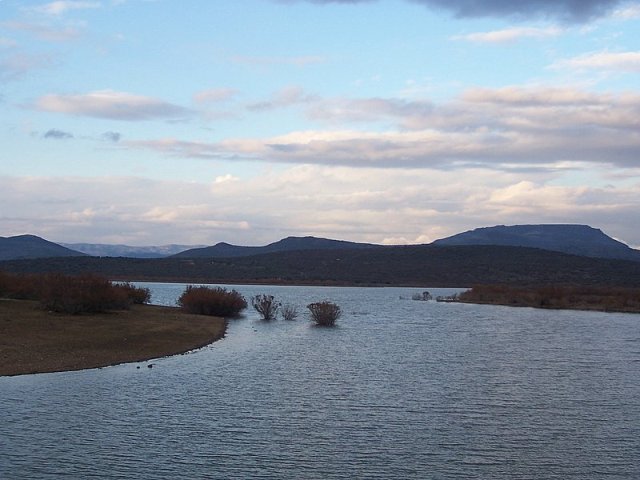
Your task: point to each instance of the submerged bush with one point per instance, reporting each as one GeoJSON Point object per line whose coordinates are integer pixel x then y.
{"type": "Point", "coordinates": [324, 313]}
{"type": "Point", "coordinates": [266, 306]}
{"type": "Point", "coordinates": [289, 312]}
{"type": "Point", "coordinates": [215, 301]}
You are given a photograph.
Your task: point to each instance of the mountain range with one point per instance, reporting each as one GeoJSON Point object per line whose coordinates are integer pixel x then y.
{"type": "Point", "coordinates": [580, 240]}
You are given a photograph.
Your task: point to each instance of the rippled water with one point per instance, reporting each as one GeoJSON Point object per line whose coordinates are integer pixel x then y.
{"type": "Point", "coordinates": [401, 389]}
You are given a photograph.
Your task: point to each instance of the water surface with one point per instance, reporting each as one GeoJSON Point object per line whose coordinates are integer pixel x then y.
{"type": "Point", "coordinates": [401, 389]}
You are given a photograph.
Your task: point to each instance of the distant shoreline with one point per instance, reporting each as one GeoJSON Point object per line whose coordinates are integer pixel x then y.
{"type": "Point", "coordinates": [553, 297]}
{"type": "Point", "coordinates": [35, 341]}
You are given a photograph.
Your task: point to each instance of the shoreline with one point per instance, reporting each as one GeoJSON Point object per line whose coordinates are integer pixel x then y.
{"type": "Point", "coordinates": [35, 341]}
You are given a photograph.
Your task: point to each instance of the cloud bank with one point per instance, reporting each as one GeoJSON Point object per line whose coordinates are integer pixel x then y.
{"type": "Point", "coordinates": [374, 205]}
{"type": "Point", "coordinates": [566, 10]}
{"type": "Point", "coordinates": [507, 128]}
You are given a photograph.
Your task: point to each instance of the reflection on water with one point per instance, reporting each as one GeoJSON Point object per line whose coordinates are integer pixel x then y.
{"type": "Point", "coordinates": [400, 389]}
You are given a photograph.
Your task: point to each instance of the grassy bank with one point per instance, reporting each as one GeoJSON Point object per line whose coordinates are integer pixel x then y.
{"type": "Point", "coordinates": [606, 299]}
{"type": "Point", "coordinates": [33, 340]}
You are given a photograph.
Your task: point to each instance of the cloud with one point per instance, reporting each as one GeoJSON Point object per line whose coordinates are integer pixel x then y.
{"type": "Point", "coordinates": [299, 61]}
{"type": "Point", "coordinates": [111, 105]}
{"type": "Point", "coordinates": [617, 61]}
{"type": "Point", "coordinates": [7, 43]}
{"type": "Point", "coordinates": [565, 10]}
{"type": "Point", "coordinates": [286, 97]}
{"type": "Point", "coordinates": [16, 65]}
{"type": "Point", "coordinates": [111, 136]}
{"type": "Point", "coordinates": [48, 33]}
{"type": "Point", "coordinates": [510, 35]}
{"type": "Point", "coordinates": [56, 134]}
{"type": "Point", "coordinates": [509, 128]}
{"type": "Point", "coordinates": [627, 12]}
{"type": "Point", "coordinates": [61, 7]}
{"type": "Point", "coordinates": [214, 95]}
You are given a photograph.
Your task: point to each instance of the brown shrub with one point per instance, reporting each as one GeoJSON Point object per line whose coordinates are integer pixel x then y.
{"type": "Point", "coordinates": [81, 294]}
{"type": "Point", "coordinates": [215, 301]}
{"type": "Point", "coordinates": [137, 295]}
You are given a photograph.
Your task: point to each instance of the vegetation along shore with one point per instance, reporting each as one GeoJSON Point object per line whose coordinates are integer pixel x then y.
{"type": "Point", "coordinates": [51, 323]}
{"type": "Point", "coordinates": [605, 299]}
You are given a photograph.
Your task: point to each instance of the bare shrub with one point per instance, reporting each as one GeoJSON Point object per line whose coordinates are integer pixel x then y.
{"type": "Point", "coordinates": [215, 301]}
{"type": "Point", "coordinates": [266, 306]}
{"type": "Point", "coordinates": [324, 313]}
{"type": "Point", "coordinates": [289, 312]}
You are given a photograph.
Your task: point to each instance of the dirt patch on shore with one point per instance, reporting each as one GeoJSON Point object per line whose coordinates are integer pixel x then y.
{"type": "Point", "coordinates": [35, 341]}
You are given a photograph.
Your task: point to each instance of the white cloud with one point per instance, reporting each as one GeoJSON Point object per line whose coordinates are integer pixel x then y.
{"type": "Point", "coordinates": [112, 105]}
{"type": "Point", "coordinates": [616, 61]}
{"type": "Point", "coordinates": [628, 12]}
{"type": "Point", "coordinates": [509, 35]}
{"type": "Point", "coordinates": [61, 7]}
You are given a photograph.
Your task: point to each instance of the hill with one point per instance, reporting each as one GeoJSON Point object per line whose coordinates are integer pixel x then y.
{"type": "Point", "coordinates": [289, 244]}
{"type": "Point", "coordinates": [573, 239]}
{"type": "Point", "coordinates": [421, 265]}
{"type": "Point", "coordinates": [30, 246]}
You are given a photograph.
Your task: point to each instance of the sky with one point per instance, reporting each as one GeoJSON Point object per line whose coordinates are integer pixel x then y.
{"type": "Point", "coordinates": [153, 122]}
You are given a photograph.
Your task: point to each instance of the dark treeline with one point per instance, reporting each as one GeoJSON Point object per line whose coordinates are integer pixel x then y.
{"type": "Point", "coordinates": [425, 265]}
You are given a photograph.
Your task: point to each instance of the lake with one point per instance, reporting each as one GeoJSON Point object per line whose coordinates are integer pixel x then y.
{"type": "Point", "coordinates": [400, 389]}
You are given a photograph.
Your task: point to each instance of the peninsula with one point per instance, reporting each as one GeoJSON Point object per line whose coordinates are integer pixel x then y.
{"type": "Point", "coordinates": [33, 340]}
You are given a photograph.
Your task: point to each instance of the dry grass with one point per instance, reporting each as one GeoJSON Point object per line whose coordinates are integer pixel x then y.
{"type": "Point", "coordinates": [35, 341]}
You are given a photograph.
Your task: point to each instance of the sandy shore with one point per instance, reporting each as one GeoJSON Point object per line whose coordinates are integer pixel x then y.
{"type": "Point", "coordinates": [35, 341]}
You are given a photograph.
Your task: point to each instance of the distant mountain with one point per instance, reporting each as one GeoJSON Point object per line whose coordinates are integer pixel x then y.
{"type": "Point", "coordinates": [104, 250]}
{"type": "Point", "coordinates": [580, 240]}
{"type": "Point", "coordinates": [289, 244]}
{"type": "Point", "coordinates": [30, 246]}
